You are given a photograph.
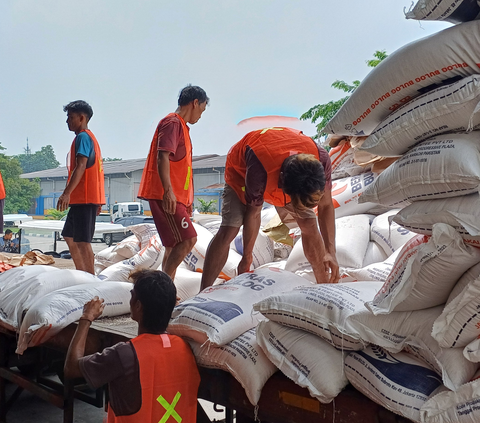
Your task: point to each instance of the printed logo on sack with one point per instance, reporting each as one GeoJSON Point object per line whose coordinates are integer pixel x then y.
{"type": "Point", "coordinates": [222, 309]}
{"type": "Point", "coordinates": [405, 375]}
{"type": "Point", "coordinates": [252, 280]}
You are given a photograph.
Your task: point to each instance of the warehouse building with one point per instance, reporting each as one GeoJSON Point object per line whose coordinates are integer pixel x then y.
{"type": "Point", "coordinates": [122, 182]}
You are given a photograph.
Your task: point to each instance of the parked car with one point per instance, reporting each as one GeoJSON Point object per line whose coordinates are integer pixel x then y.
{"type": "Point", "coordinates": [110, 238]}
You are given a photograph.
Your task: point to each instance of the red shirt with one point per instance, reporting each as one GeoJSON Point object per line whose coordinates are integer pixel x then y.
{"type": "Point", "coordinates": [170, 138]}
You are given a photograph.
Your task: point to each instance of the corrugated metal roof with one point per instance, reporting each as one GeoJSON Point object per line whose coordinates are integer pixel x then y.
{"type": "Point", "coordinates": [126, 166]}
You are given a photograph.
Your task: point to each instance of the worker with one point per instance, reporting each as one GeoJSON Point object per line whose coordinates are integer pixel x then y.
{"type": "Point", "coordinates": [2, 202]}
{"type": "Point", "coordinates": [289, 170]}
{"type": "Point", "coordinates": [151, 377]}
{"type": "Point", "coordinates": [8, 244]}
{"type": "Point", "coordinates": [85, 191]}
{"type": "Point", "coordinates": [167, 180]}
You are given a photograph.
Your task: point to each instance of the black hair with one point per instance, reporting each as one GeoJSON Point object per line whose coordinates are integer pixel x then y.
{"type": "Point", "coordinates": [157, 293]}
{"type": "Point", "coordinates": [191, 93]}
{"type": "Point", "coordinates": [8, 231]}
{"type": "Point", "coordinates": [79, 106]}
{"type": "Point", "coordinates": [303, 179]}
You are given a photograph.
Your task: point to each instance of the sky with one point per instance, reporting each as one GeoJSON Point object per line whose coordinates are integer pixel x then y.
{"type": "Point", "coordinates": [130, 59]}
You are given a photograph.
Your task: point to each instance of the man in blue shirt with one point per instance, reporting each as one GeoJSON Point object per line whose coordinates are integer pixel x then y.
{"type": "Point", "coordinates": [8, 244]}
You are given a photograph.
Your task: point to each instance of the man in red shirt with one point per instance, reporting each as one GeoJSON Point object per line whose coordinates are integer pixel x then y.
{"type": "Point", "coordinates": [167, 180]}
{"type": "Point", "coordinates": [283, 167]}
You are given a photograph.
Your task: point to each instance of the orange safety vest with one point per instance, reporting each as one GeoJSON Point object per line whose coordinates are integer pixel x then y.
{"type": "Point", "coordinates": [181, 175]}
{"type": "Point", "coordinates": [2, 188]}
{"type": "Point", "coordinates": [271, 146]}
{"type": "Point", "coordinates": [169, 379]}
{"type": "Point", "coordinates": [91, 188]}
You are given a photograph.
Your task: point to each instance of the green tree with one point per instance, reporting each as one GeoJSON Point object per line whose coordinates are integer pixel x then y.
{"type": "Point", "coordinates": [40, 160]}
{"type": "Point", "coordinates": [206, 206]}
{"type": "Point", "coordinates": [326, 111]}
{"type": "Point", "coordinates": [20, 193]}
{"type": "Point", "coordinates": [54, 214]}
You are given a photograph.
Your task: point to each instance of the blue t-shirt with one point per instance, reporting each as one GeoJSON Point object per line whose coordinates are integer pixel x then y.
{"type": "Point", "coordinates": [84, 147]}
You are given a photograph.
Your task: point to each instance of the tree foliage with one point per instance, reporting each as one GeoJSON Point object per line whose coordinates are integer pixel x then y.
{"type": "Point", "coordinates": [324, 112]}
{"type": "Point", "coordinates": [54, 214]}
{"type": "Point", "coordinates": [20, 193]}
{"type": "Point", "coordinates": [206, 206]}
{"type": "Point", "coordinates": [40, 160]}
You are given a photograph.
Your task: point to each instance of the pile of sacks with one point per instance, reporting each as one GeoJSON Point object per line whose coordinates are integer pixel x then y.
{"type": "Point", "coordinates": [39, 301]}
{"type": "Point", "coordinates": [411, 322]}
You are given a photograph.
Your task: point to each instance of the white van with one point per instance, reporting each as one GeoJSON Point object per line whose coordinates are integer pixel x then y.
{"type": "Point", "coordinates": [126, 209]}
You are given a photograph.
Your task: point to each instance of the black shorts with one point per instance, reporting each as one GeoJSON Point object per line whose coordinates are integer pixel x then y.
{"type": "Point", "coordinates": [80, 223]}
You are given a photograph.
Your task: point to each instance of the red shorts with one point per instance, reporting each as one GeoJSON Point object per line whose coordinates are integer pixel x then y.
{"type": "Point", "coordinates": [172, 228]}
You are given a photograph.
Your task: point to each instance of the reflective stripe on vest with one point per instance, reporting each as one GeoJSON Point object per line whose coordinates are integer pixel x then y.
{"type": "Point", "coordinates": [181, 178]}
{"type": "Point", "coordinates": [271, 146]}
{"type": "Point", "coordinates": [91, 188]}
{"type": "Point", "coordinates": [169, 379]}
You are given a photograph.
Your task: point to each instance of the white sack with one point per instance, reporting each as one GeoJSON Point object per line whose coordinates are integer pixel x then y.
{"type": "Point", "coordinates": [442, 167]}
{"type": "Point", "coordinates": [346, 193]}
{"type": "Point", "coordinates": [188, 283]}
{"type": "Point", "coordinates": [467, 278]}
{"type": "Point", "coordinates": [149, 257]}
{"type": "Point", "coordinates": [374, 254]}
{"type": "Point", "coordinates": [472, 351]}
{"type": "Point", "coordinates": [399, 382]}
{"type": "Point", "coordinates": [456, 11]}
{"type": "Point", "coordinates": [51, 313]}
{"type": "Point", "coordinates": [128, 247]}
{"type": "Point", "coordinates": [281, 250]}
{"type": "Point", "coordinates": [343, 162]}
{"type": "Point", "coordinates": [107, 257]}
{"type": "Point", "coordinates": [267, 214]}
{"type": "Point", "coordinates": [223, 312]}
{"type": "Point", "coordinates": [304, 358]}
{"type": "Point", "coordinates": [348, 253]}
{"type": "Point", "coordinates": [373, 272]}
{"type": "Point", "coordinates": [390, 236]}
{"type": "Point", "coordinates": [324, 310]}
{"type": "Point", "coordinates": [459, 323]}
{"type": "Point", "coordinates": [411, 331]}
{"type": "Point", "coordinates": [462, 213]}
{"type": "Point", "coordinates": [425, 272]}
{"type": "Point", "coordinates": [263, 251]}
{"type": "Point", "coordinates": [403, 75]}
{"type": "Point", "coordinates": [451, 108]}
{"type": "Point", "coordinates": [144, 232]}
{"type": "Point", "coordinates": [242, 358]}
{"type": "Point", "coordinates": [459, 406]}
{"type": "Point", "coordinates": [18, 295]}
{"type": "Point", "coordinates": [196, 258]}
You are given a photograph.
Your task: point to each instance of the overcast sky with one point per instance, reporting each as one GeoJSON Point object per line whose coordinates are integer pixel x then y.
{"type": "Point", "coordinates": [129, 60]}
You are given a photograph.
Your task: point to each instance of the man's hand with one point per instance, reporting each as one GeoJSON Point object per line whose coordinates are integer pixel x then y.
{"type": "Point", "coordinates": [244, 265]}
{"type": "Point", "coordinates": [93, 309]}
{"type": "Point", "coordinates": [169, 202]}
{"type": "Point", "coordinates": [63, 202]}
{"type": "Point", "coordinates": [331, 266]}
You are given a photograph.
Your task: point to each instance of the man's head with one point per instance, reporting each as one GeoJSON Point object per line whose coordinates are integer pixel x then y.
{"type": "Point", "coordinates": [8, 234]}
{"type": "Point", "coordinates": [302, 177]}
{"type": "Point", "coordinates": [195, 99]}
{"type": "Point", "coordinates": [153, 298]}
{"type": "Point", "coordinates": [79, 112]}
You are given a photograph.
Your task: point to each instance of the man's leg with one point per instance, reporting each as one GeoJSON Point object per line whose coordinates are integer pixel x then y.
{"type": "Point", "coordinates": [82, 255]}
{"type": "Point", "coordinates": [217, 254]}
{"type": "Point", "coordinates": [175, 256]}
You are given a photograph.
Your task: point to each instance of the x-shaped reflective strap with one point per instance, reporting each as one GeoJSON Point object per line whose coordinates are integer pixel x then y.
{"type": "Point", "coordinates": [272, 128]}
{"type": "Point", "coordinates": [170, 408]}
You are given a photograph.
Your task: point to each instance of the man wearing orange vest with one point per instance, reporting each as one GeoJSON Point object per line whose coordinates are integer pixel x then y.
{"type": "Point", "coordinates": [289, 170]}
{"type": "Point", "coordinates": [152, 378]}
{"type": "Point", "coordinates": [167, 180]}
{"type": "Point", "coordinates": [85, 191]}
{"type": "Point", "coordinates": [2, 202]}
